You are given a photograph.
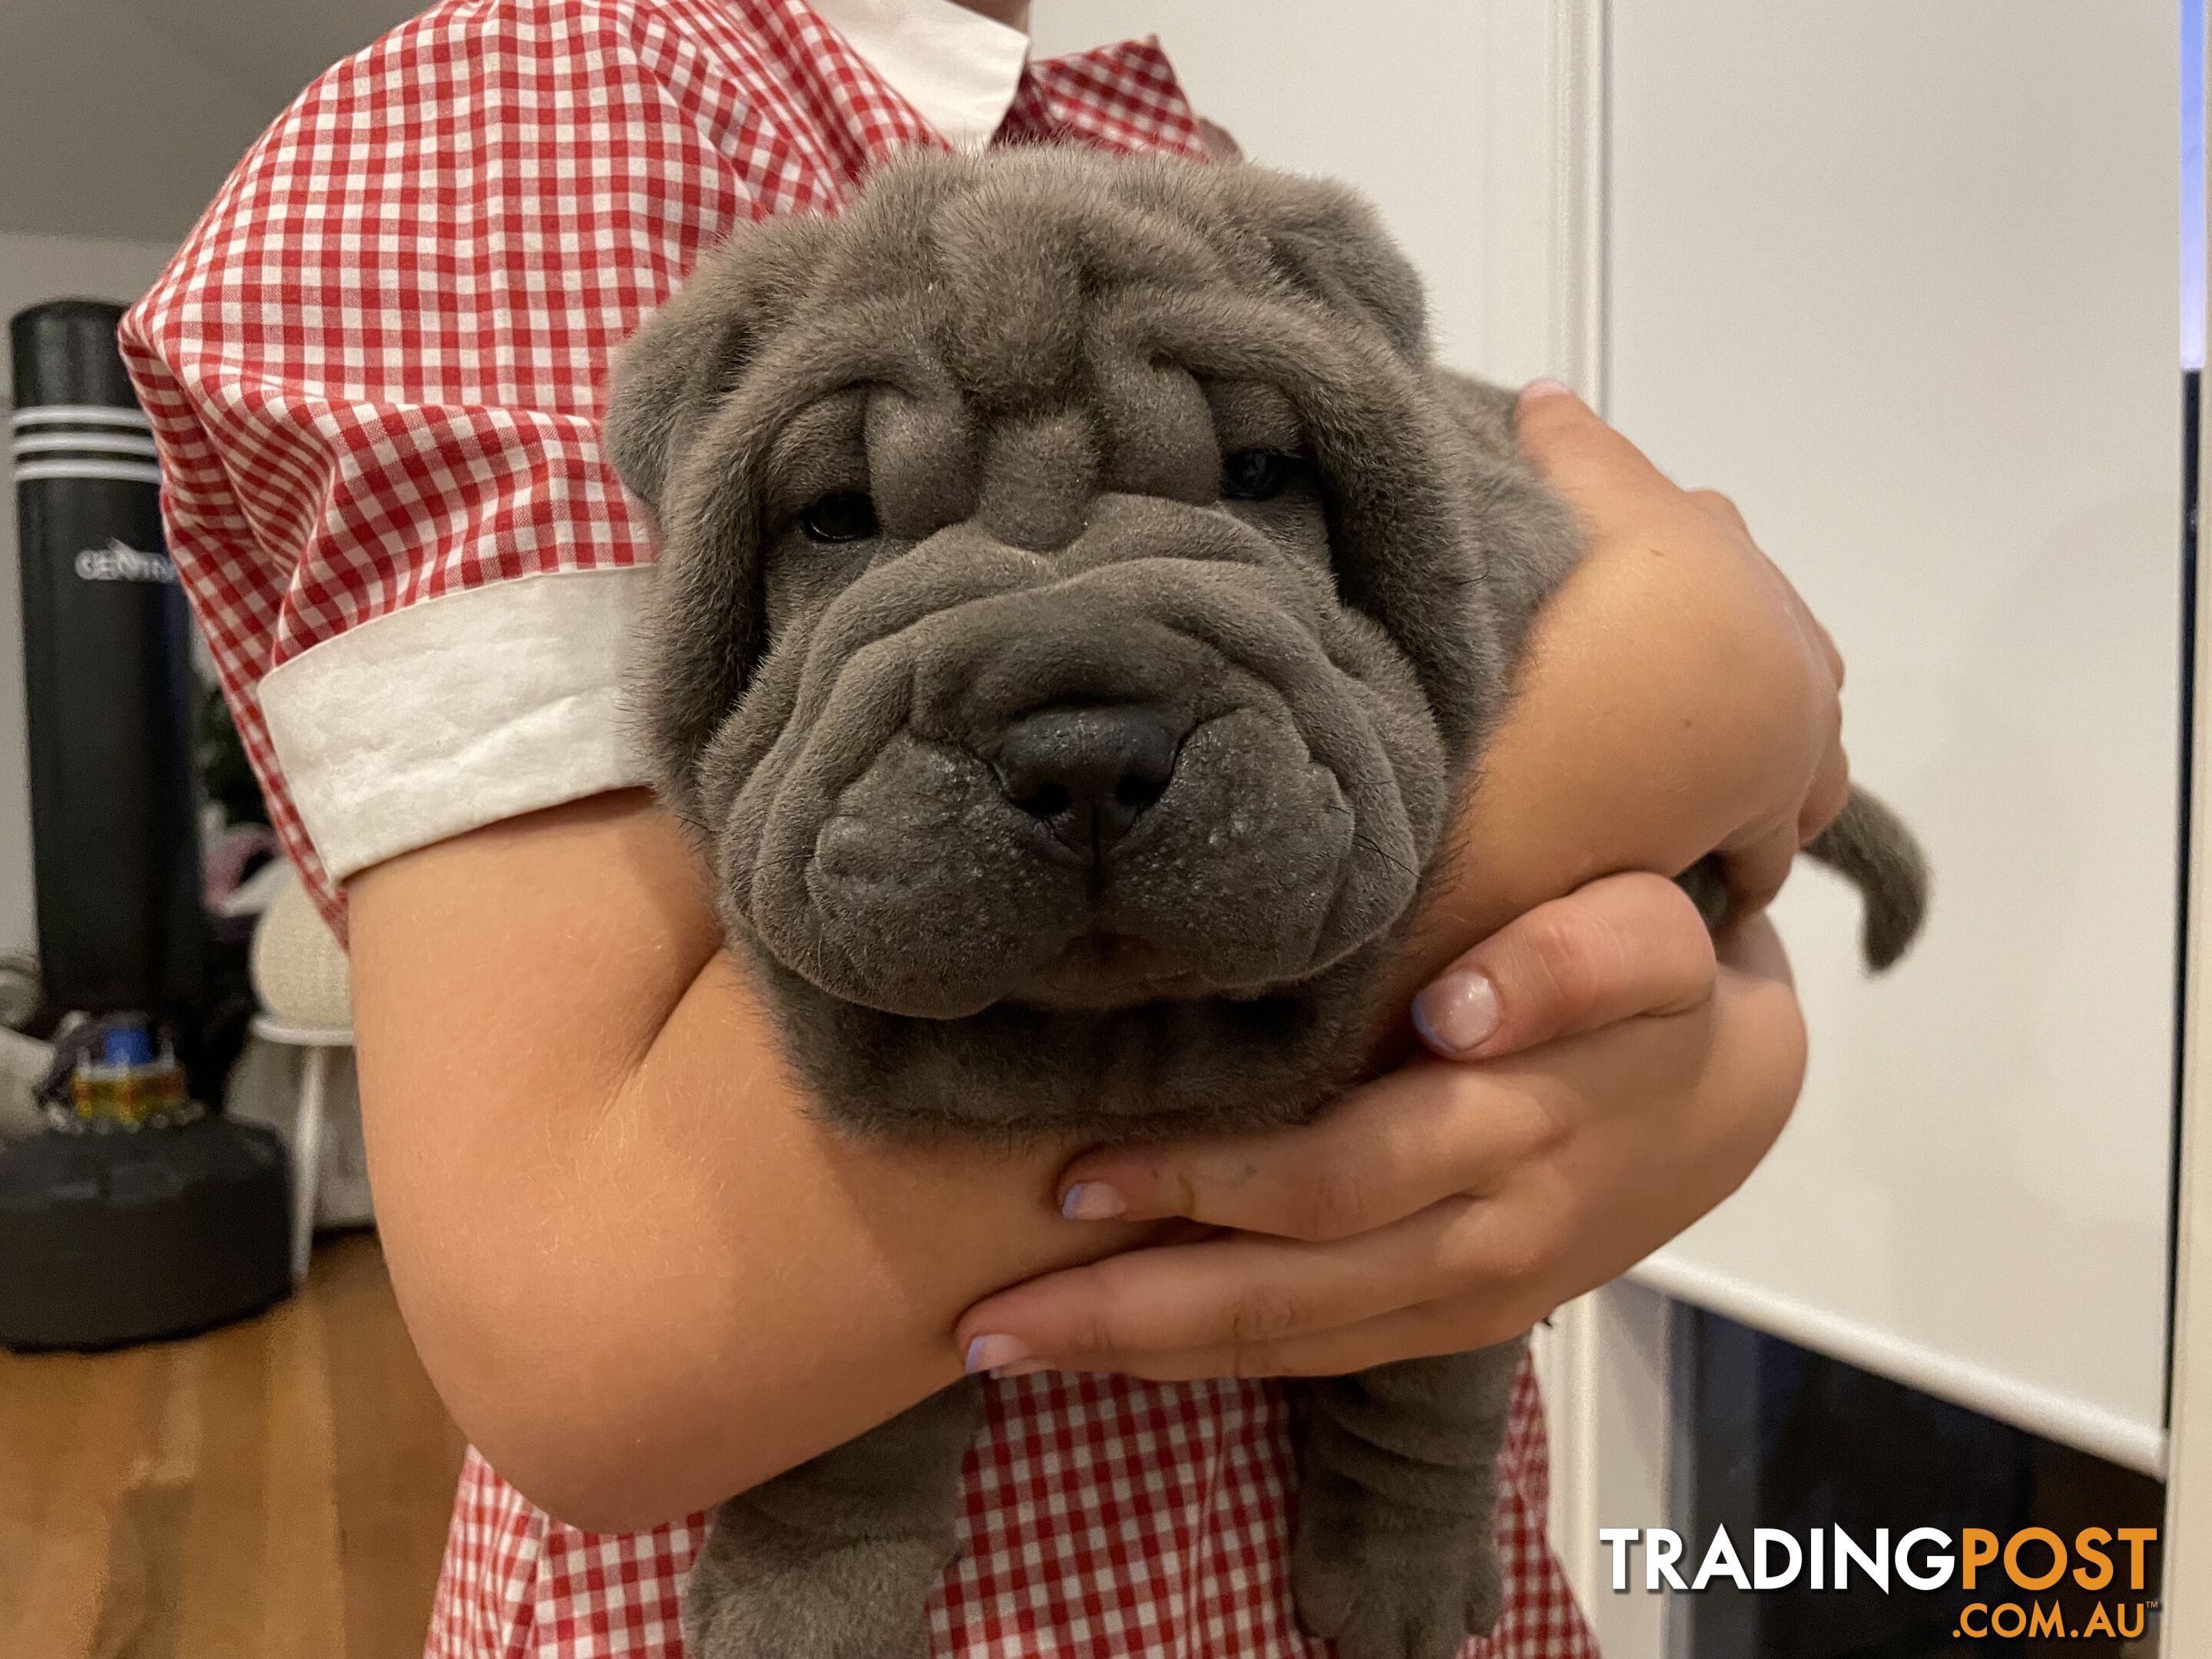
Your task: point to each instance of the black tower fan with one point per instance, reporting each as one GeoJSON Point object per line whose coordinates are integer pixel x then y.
{"type": "Point", "coordinates": [140, 1211]}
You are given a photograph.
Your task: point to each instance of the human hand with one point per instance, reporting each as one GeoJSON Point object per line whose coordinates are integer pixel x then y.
{"type": "Point", "coordinates": [1630, 1079]}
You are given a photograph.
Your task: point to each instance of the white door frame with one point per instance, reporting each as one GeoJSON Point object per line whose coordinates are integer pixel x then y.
{"type": "Point", "coordinates": [2186, 1620]}
{"type": "Point", "coordinates": [1606, 1361]}
{"type": "Point", "coordinates": [1610, 1364]}
{"type": "Point", "coordinates": [2185, 1623]}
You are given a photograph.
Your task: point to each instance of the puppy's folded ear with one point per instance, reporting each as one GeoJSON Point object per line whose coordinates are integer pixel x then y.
{"type": "Point", "coordinates": [1326, 239]}
{"type": "Point", "coordinates": [686, 357]}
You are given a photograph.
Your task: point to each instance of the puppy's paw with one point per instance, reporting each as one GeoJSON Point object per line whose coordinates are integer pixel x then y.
{"type": "Point", "coordinates": [1485, 1587]}
{"type": "Point", "coordinates": [835, 1559]}
{"type": "Point", "coordinates": [1382, 1582]}
{"type": "Point", "coordinates": [844, 1604]}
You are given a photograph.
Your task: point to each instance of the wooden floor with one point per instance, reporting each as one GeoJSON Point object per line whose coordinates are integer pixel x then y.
{"type": "Point", "coordinates": [278, 1488]}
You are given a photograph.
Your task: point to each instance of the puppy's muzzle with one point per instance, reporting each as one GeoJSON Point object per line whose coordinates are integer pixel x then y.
{"type": "Point", "coordinates": [1156, 765]}
{"type": "Point", "coordinates": [1088, 772]}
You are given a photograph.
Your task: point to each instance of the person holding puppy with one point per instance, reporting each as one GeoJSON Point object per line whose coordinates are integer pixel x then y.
{"type": "Point", "coordinates": [642, 1275]}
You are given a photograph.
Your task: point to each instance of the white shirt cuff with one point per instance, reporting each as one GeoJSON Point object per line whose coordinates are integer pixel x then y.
{"type": "Point", "coordinates": [456, 713]}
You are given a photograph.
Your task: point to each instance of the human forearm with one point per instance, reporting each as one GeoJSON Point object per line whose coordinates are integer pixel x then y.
{"type": "Point", "coordinates": [642, 1275]}
{"type": "Point", "coordinates": [1676, 699]}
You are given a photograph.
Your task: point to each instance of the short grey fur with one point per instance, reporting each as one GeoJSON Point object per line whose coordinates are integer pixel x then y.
{"type": "Point", "coordinates": [1083, 602]}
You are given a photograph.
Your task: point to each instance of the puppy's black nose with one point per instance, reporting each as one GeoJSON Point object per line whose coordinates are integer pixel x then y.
{"type": "Point", "coordinates": [1088, 771]}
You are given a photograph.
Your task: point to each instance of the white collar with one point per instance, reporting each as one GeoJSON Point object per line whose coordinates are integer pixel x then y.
{"type": "Point", "coordinates": [957, 67]}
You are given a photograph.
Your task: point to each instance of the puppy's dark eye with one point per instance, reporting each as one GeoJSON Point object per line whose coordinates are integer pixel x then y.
{"type": "Point", "coordinates": [1255, 475]}
{"type": "Point", "coordinates": [847, 516]}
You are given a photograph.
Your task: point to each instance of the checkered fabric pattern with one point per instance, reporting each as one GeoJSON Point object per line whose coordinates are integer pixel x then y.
{"type": "Point", "coordinates": [375, 368]}
{"type": "Point", "coordinates": [375, 372]}
{"type": "Point", "coordinates": [1105, 1518]}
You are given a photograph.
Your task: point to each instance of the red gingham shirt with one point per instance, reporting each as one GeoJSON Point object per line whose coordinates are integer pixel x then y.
{"type": "Point", "coordinates": [374, 373]}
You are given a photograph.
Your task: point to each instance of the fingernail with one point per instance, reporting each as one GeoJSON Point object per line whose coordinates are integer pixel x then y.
{"type": "Point", "coordinates": [1457, 1012]}
{"type": "Point", "coordinates": [989, 1353]}
{"type": "Point", "coordinates": [1546, 387]}
{"type": "Point", "coordinates": [1092, 1201]}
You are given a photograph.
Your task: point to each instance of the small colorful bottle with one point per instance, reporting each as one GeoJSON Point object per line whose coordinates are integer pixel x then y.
{"type": "Point", "coordinates": [131, 1083]}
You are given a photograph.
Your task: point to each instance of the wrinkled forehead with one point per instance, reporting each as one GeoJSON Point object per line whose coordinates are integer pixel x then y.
{"type": "Point", "coordinates": [938, 458]}
{"type": "Point", "coordinates": [1031, 343]}
{"type": "Point", "coordinates": [1025, 288]}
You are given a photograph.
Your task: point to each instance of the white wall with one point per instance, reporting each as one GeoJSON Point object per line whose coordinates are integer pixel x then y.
{"type": "Point", "coordinates": [113, 124]}
{"type": "Point", "coordinates": [34, 269]}
{"type": "Point", "coordinates": [1398, 98]}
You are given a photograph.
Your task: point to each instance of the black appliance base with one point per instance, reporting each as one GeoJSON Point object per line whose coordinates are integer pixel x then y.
{"type": "Point", "coordinates": [132, 1236]}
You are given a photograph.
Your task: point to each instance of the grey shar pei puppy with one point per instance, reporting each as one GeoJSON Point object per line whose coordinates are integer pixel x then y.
{"type": "Point", "coordinates": [1082, 603]}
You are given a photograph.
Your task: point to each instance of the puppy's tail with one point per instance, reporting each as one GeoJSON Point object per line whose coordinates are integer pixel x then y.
{"type": "Point", "coordinates": [1869, 846]}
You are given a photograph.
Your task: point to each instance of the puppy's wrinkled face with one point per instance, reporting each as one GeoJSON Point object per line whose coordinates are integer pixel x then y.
{"type": "Point", "coordinates": [1063, 641]}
